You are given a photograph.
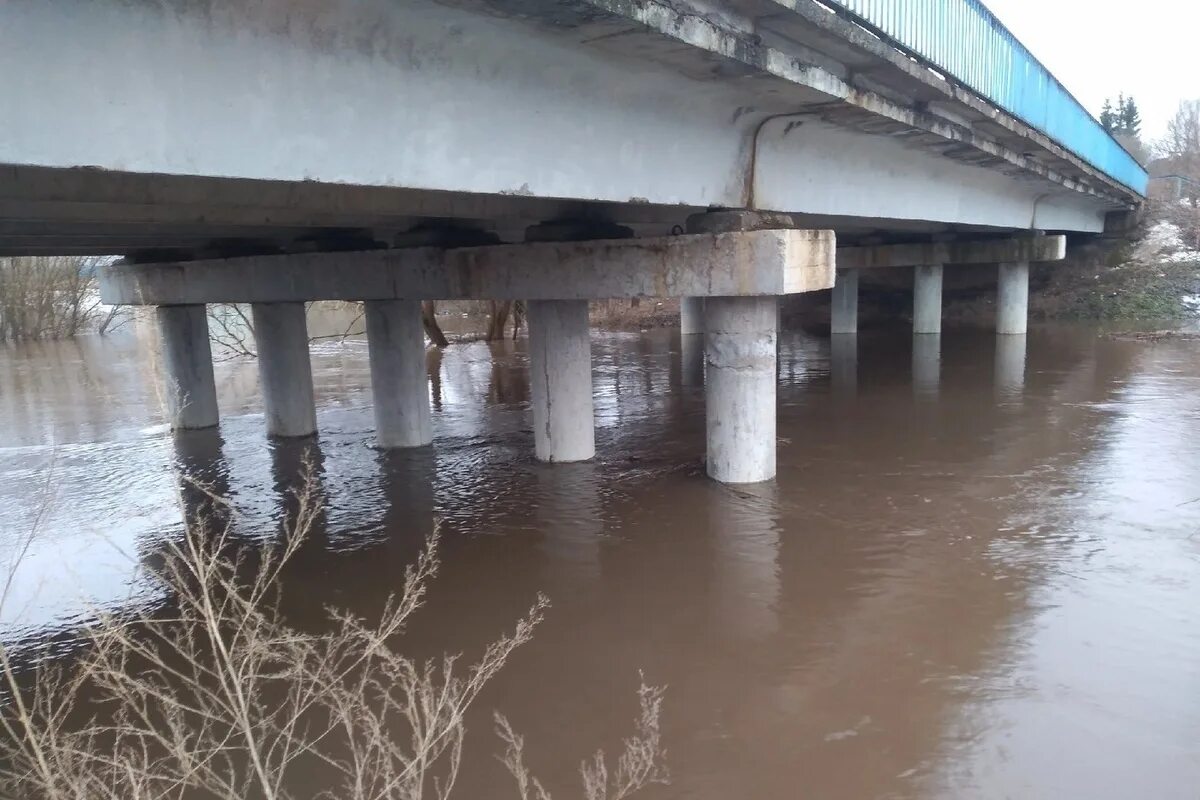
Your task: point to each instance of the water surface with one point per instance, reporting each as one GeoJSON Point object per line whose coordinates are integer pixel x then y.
{"type": "Point", "coordinates": [977, 574]}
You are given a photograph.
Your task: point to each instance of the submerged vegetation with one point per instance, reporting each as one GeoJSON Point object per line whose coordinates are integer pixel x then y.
{"type": "Point", "coordinates": [219, 697]}
{"type": "Point", "coordinates": [47, 297]}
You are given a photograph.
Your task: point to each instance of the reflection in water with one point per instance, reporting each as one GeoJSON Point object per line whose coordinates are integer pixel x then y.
{"type": "Point", "coordinates": [691, 353]}
{"type": "Point", "coordinates": [743, 524]}
{"type": "Point", "coordinates": [926, 364]}
{"type": "Point", "coordinates": [571, 521]}
{"type": "Point", "coordinates": [203, 475]}
{"type": "Point", "coordinates": [922, 605]}
{"type": "Point", "coordinates": [1010, 366]}
{"type": "Point", "coordinates": [433, 359]}
{"type": "Point", "coordinates": [843, 349]}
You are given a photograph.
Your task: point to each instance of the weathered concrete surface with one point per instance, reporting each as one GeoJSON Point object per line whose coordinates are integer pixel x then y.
{"type": "Point", "coordinates": [1012, 299]}
{"type": "Point", "coordinates": [442, 107]}
{"type": "Point", "coordinates": [986, 251]}
{"type": "Point", "coordinates": [560, 380]}
{"type": "Point", "coordinates": [399, 380]}
{"type": "Point", "coordinates": [927, 298]}
{"type": "Point", "coordinates": [740, 375]}
{"type": "Point", "coordinates": [191, 391]}
{"type": "Point", "coordinates": [770, 262]}
{"type": "Point", "coordinates": [284, 369]}
{"type": "Point", "coordinates": [844, 303]}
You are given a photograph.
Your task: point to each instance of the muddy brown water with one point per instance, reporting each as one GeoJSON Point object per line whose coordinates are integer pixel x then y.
{"type": "Point", "coordinates": [971, 579]}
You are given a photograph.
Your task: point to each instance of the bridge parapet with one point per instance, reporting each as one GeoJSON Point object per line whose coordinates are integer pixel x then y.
{"type": "Point", "coordinates": [965, 41]}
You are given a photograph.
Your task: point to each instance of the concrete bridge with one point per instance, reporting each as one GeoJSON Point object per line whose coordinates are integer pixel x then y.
{"type": "Point", "coordinates": [726, 151]}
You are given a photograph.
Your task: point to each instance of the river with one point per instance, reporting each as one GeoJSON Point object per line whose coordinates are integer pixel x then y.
{"type": "Point", "coordinates": [977, 575]}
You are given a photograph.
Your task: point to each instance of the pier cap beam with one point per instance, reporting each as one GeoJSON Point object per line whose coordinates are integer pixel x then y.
{"type": "Point", "coordinates": [732, 264]}
{"type": "Point", "coordinates": [983, 251]}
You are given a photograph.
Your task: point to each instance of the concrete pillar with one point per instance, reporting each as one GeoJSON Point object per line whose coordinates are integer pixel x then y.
{"type": "Point", "coordinates": [187, 366]}
{"type": "Point", "coordinates": [927, 298]}
{"type": "Point", "coordinates": [560, 377]}
{"type": "Point", "coordinates": [399, 377]}
{"type": "Point", "coordinates": [284, 370]}
{"type": "Point", "coordinates": [1012, 299]}
{"type": "Point", "coordinates": [691, 315]}
{"type": "Point", "coordinates": [739, 347]}
{"type": "Point", "coordinates": [844, 311]}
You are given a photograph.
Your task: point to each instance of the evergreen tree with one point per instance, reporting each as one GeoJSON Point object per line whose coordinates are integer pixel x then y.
{"type": "Point", "coordinates": [1130, 118]}
{"type": "Point", "coordinates": [1108, 117]}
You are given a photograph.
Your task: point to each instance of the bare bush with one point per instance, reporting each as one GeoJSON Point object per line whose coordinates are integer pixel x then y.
{"type": "Point", "coordinates": [47, 297]}
{"type": "Point", "coordinates": [219, 697]}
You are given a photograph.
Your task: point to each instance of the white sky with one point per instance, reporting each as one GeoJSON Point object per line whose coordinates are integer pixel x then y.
{"type": "Point", "coordinates": [1098, 48]}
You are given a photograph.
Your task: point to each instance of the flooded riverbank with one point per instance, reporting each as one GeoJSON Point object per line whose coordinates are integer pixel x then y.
{"type": "Point", "coordinates": [976, 575]}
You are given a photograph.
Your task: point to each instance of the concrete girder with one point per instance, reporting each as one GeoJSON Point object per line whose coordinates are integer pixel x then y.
{"type": "Point", "coordinates": [995, 251]}
{"type": "Point", "coordinates": [768, 262]}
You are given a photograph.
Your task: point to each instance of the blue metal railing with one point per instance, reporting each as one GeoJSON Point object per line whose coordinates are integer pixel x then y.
{"type": "Point", "coordinates": [963, 39]}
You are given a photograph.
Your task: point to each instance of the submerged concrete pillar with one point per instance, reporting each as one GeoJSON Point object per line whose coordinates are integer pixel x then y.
{"type": "Point", "coordinates": [691, 315]}
{"type": "Point", "coordinates": [1012, 298]}
{"type": "Point", "coordinates": [739, 347]}
{"type": "Point", "coordinates": [927, 298]}
{"type": "Point", "coordinates": [187, 364]}
{"type": "Point", "coordinates": [399, 378]}
{"type": "Point", "coordinates": [284, 370]}
{"type": "Point", "coordinates": [844, 310]}
{"type": "Point", "coordinates": [560, 378]}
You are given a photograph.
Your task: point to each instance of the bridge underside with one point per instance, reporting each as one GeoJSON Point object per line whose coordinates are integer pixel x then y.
{"type": "Point", "coordinates": [179, 129]}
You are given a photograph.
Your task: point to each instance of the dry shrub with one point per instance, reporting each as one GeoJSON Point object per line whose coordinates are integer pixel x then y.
{"type": "Point", "coordinates": [47, 297]}
{"type": "Point", "coordinates": [220, 698]}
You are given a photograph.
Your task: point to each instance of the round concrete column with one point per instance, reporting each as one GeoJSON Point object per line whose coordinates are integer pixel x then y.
{"type": "Point", "coordinates": [844, 311]}
{"type": "Point", "coordinates": [187, 364]}
{"type": "Point", "coordinates": [560, 378]}
{"type": "Point", "coordinates": [927, 298]}
{"type": "Point", "coordinates": [1012, 298]}
{"type": "Point", "coordinates": [691, 315]}
{"type": "Point", "coordinates": [399, 380]}
{"type": "Point", "coordinates": [739, 347]}
{"type": "Point", "coordinates": [284, 369]}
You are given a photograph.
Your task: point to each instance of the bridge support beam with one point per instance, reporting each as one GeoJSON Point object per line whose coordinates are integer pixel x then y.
{"type": "Point", "coordinates": [1012, 298]}
{"type": "Point", "coordinates": [844, 309]}
{"type": "Point", "coordinates": [187, 364]}
{"type": "Point", "coordinates": [560, 377]}
{"type": "Point", "coordinates": [284, 370]}
{"type": "Point", "coordinates": [399, 382]}
{"type": "Point", "coordinates": [927, 298]}
{"type": "Point", "coordinates": [740, 346]}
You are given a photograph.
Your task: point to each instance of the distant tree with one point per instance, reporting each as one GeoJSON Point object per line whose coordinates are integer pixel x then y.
{"type": "Point", "coordinates": [1130, 119]}
{"type": "Point", "coordinates": [1108, 116]}
{"type": "Point", "coordinates": [1123, 121]}
{"type": "Point", "coordinates": [1180, 149]}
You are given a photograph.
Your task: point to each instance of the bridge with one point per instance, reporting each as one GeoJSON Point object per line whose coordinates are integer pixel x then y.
{"type": "Point", "coordinates": [392, 151]}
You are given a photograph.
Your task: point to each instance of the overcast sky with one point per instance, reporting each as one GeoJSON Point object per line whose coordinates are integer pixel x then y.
{"type": "Point", "coordinates": [1098, 48]}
